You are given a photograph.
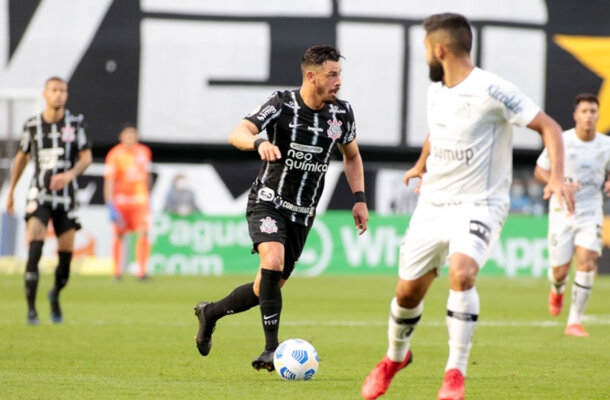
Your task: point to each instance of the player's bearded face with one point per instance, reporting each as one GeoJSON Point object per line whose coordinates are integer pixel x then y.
{"type": "Point", "coordinates": [327, 81]}
{"type": "Point", "coordinates": [436, 71]}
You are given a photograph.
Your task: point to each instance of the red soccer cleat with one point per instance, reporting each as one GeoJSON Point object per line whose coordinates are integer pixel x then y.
{"type": "Point", "coordinates": [378, 381]}
{"type": "Point", "coordinates": [575, 330]}
{"type": "Point", "coordinates": [453, 386]}
{"type": "Point", "coordinates": [555, 303]}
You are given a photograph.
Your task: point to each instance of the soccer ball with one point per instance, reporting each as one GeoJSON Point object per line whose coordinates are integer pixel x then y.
{"type": "Point", "coordinates": [295, 360]}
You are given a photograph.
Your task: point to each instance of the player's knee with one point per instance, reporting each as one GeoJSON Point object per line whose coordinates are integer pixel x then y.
{"type": "Point", "coordinates": [587, 265]}
{"type": "Point", "coordinates": [462, 278]}
{"type": "Point", "coordinates": [272, 260]}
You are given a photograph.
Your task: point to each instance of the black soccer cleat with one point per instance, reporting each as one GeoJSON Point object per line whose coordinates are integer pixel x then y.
{"type": "Point", "coordinates": [56, 315]}
{"type": "Point", "coordinates": [264, 361]}
{"type": "Point", "coordinates": [32, 318]}
{"type": "Point", "coordinates": [206, 328]}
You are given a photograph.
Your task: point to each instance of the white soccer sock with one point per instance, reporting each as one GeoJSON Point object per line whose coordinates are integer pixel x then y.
{"type": "Point", "coordinates": [581, 290]}
{"type": "Point", "coordinates": [556, 286]}
{"type": "Point", "coordinates": [462, 313]}
{"type": "Point", "coordinates": [401, 323]}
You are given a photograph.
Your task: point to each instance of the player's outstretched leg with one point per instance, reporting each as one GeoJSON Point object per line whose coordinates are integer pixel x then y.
{"type": "Point", "coordinates": [264, 361]}
{"type": "Point", "coordinates": [453, 386]}
{"type": "Point", "coordinates": [206, 328]}
{"type": "Point", "coordinates": [379, 379]}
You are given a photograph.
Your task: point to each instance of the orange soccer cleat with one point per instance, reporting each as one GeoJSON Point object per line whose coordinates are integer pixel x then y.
{"type": "Point", "coordinates": [378, 381]}
{"type": "Point", "coordinates": [453, 386]}
{"type": "Point", "coordinates": [555, 303]}
{"type": "Point", "coordinates": [575, 330]}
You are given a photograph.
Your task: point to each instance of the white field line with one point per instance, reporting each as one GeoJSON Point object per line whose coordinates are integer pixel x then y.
{"type": "Point", "coordinates": [587, 320]}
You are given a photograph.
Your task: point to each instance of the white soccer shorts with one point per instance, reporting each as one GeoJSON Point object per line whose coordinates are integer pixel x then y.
{"type": "Point", "coordinates": [566, 232]}
{"type": "Point", "coordinates": [437, 231]}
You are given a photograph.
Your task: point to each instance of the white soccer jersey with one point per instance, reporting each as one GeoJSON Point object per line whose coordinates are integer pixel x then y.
{"type": "Point", "coordinates": [470, 134]}
{"type": "Point", "coordinates": [585, 163]}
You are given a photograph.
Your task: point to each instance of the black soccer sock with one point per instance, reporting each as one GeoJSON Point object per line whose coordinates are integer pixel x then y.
{"type": "Point", "coordinates": [31, 272]}
{"type": "Point", "coordinates": [62, 272]}
{"type": "Point", "coordinates": [241, 299]}
{"type": "Point", "coordinates": [271, 306]}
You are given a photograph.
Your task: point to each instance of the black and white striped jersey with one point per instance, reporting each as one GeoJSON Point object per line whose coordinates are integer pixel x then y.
{"type": "Point", "coordinates": [306, 138]}
{"type": "Point", "coordinates": [53, 149]}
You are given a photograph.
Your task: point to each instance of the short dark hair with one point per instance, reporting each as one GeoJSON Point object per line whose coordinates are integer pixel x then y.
{"type": "Point", "coordinates": [588, 97]}
{"type": "Point", "coordinates": [54, 79]}
{"type": "Point", "coordinates": [128, 125]}
{"type": "Point", "coordinates": [318, 55]}
{"type": "Point", "coordinates": [457, 26]}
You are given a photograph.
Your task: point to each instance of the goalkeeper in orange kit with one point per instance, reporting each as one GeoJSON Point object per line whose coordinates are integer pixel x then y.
{"type": "Point", "coordinates": [127, 179]}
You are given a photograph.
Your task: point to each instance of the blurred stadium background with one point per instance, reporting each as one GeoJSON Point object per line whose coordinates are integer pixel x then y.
{"type": "Point", "coordinates": [187, 71]}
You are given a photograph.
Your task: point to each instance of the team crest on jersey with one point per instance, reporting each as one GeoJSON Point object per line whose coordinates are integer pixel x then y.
{"type": "Point", "coordinates": [334, 128]}
{"type": "Point", "coordinates": [68, 134]}
{"type": "Point", "coordinates": [268, 225]}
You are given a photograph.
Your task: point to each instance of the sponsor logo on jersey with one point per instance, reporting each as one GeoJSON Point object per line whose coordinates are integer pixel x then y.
{"type": "Point", "coordinates": [453, 154]}
{"type": "Point", "coordinates": [266, 194]}
{"type": "Point", "coordinates": [334, 129]}
{"type": "Point", "coordinates": [306, 148]}
{"type": "Point", "coordinates": [333, 109]}
{"type": "Point", "coordinates": [268, 225]}
{"type": "Point", "coordinates": [48, 158]}
{"type": "Point", "coordinates": [68, 134]}
{"type": "Point", "coordinates": [265, 112]}
{"type": "Point", "coordinates": [315, 129]}
{"type": "Point", "coordinates": [509, 101]}
{"type": "Point", "coordinates": [304, 161]}
{"type": "Point", "coordinates": [352, 132]}
{"type": "Point", "coordinates": [293, 125]}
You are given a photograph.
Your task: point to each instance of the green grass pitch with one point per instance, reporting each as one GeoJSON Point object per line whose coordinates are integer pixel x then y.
{"type": "Point", "coordinates": [134, 340]}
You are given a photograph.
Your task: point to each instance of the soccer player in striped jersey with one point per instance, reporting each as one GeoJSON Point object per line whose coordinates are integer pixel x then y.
{"type": "Point", "coordinates": [466, 170]}
{"type": "Point", "coordinates": [580, 235]}
{"type": "Point", "coordinates": [303, 128]}
{"type": "Point", "coordinates": [127, 179]}
{"type": "Point", "coordinates": [57, 142]}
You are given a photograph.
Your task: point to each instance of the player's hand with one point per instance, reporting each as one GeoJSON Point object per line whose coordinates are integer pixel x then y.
{"type": "Point", "coordinates": [415, 172]}
{"type": "Point", "coordinates": [269, 152]}
{"type": "Point", "coordinates": [114, 213]}
{"type": "Point", "coordinates": [564, 193]}
{"type": "Point", "coordinates": [60, 180]}
{"type": "Point", "coordinates": [360, 212]}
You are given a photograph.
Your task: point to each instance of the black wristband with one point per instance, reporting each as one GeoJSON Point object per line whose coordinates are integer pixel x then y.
{"type": "Point", "coordinates": [258, 142]}
{"type": "Point", "coordinates": [360, 197]}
